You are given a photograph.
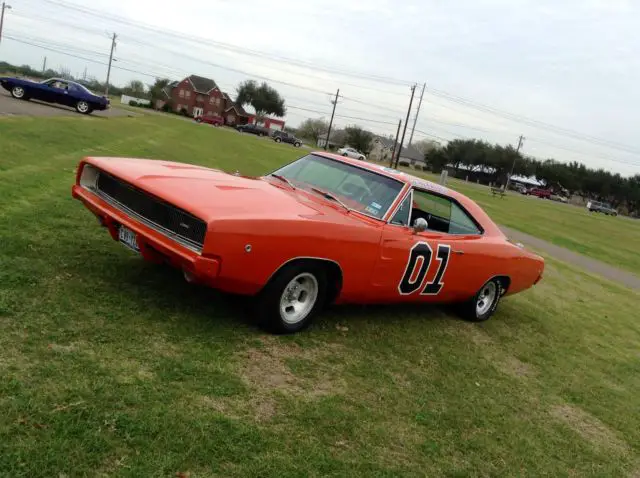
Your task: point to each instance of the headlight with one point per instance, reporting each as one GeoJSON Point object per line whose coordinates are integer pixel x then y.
{"type": "Point", "coordinates": [89, 177]}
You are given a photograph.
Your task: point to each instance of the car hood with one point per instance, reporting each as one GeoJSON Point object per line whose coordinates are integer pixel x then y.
{"type": "Point", "coordinates": [212, 194]}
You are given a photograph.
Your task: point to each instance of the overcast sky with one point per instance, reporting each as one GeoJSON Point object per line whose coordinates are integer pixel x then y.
{"type": "Point", "coordinates": [570, 64]}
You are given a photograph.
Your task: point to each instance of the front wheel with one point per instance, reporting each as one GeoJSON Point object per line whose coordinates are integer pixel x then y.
{"type": "Point", "coordinates": [278, 140]}
{"type": "Point", "coordinates": [482, 306]}
{"type": "Point", "coordinates": [83, 107]}
{"type": "Point", "coordinates": [18, 92]}
{"type": "Point", "coordinates": [291, 299]}
{"type": "Point", "coordinates": [297, 145]}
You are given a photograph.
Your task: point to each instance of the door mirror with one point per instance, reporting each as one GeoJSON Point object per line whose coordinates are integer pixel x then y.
{"type": "Point", "coordinates": [420, 225]}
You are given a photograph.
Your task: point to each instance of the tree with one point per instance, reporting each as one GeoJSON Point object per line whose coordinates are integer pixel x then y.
{"type": "Point", "coordinates": [155, 90]}
{"type": "Point", "coordinates": [264, 99]}
{"type": "Point", "coordinates": [313, 129]}
{"type": "Point", "coordinates": [136, 89]}
{"type": "Point", "coordinates": [358, 138]}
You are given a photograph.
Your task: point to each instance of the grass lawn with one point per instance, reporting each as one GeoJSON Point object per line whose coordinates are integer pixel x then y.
{"type": "Point", "coordinates": [114, 367]}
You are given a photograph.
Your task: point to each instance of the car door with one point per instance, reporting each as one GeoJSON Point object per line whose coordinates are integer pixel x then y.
{"type": "Point", "coordinates": [439, 264]}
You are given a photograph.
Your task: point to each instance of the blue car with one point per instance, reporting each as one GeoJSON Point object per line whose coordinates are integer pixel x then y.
{"type": "Point", "coordinates": [56, 90]}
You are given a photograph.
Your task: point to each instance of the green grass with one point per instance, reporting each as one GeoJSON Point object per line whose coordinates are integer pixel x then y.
{"type": "Point", "coordinates": [113, 367]}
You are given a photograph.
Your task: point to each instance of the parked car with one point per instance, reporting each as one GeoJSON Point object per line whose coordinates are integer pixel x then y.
{"type": "Point", "coordinates": [321, 229]}
{"type": "Point", "coordinates": [253, 129]}
{"type": "Point", "coordinates": [56, 90]}
{"type": "Point", "coordinates": [539, 192]}
{"type": "Point", "coordinates": [213, 120]}
{"type": "Point", "coordinates": [352, 153]}
{"type": "Point", "coordinates": [603, 207]}
{"type": "Point", "coordinates": [284, 137]}
{"type": "Point", "coordinates": [558, 198]}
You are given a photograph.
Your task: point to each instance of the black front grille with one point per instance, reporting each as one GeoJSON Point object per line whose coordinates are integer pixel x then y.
{"type": "Point", "coordinates": [168, 217]}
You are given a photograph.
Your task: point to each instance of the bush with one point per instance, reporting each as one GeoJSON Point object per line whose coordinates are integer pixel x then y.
{"type": "Point", "coordinates": [184, 111]}
{"type": "Point", "coordinates": [166, 108]}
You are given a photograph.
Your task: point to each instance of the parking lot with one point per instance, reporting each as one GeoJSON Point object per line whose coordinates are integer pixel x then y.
{"type": "Point", "coordinates": [11, 107]}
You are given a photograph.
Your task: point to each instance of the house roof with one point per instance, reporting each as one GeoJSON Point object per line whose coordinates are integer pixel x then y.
{"type": "Point", "coordinates": [167, 89]}
{"type": "Point", "coordinates": [202, 84]}
{"type": "Point", "coordinates": [386, 142]}
{"type": "Point", "coordinates": [411, 153]}
{"type": "Point", "coordinates": [239, 109]}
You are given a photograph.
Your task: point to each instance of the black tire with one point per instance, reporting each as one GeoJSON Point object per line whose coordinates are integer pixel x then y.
{"type": "Point", "coordinates": [83, 107]}
{"type": "Point", "coordinates": [278, 140]}
{"type": "Point", "coordinates": [345, 155]}
{"type": "Point", "coordinates": [472, 309]}
{"type": "Point", "coordinates": [297, 145]}
{"type": "Point", "coordinates": [19, 93]}
{"type": "Point", "coordinates": [267, 304]}
{"type": "Point", "coordinates": [361, 158]}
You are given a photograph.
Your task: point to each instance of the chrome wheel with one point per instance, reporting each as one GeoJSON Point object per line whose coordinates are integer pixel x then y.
{"type": "Point", "coordinates": [82, 106]}
{"type": "Point", "coordinates": [17, 92]}
{"type": "Point", "coordinates": [298, 298]}
{"type": "Point", "coordinates": [486, 298]}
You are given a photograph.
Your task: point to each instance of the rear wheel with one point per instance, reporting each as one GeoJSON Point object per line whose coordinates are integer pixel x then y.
{"type": "Point", "coordinates": [18, 92]}
{"type": "Point", "coordinates": [291, 299]}
{"type": "Point", "coordinates": [482, 306]}
{"type": "Point", "coordinates": [278, 140]}
{"type": "Point", "coordinates": [297, 145]}
{"type": "Point", "coordinates": [83, 107]}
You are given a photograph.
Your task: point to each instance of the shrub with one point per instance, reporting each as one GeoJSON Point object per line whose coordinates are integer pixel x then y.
{"type": "Point", "coordinates": [166, 108]}
{"type": "Point", "coordinates": [184, 111]}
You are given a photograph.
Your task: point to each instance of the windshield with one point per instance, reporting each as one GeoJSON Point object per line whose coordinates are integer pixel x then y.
{"type": "Point", "coordinates": [361, 190]}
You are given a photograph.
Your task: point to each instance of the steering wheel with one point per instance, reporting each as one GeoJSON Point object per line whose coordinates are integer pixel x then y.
{"type": "Point", "coordinates": [355, 191]}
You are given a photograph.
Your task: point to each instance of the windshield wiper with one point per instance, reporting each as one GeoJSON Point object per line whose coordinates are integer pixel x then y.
{"type": "Point", "coordinates": [331, 197]}
{"type": "Point", "coordinates": [282, 178]}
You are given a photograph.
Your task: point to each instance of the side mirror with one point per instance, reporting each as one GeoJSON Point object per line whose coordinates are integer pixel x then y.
{"type": "Point", "coordinates": [420, 225]}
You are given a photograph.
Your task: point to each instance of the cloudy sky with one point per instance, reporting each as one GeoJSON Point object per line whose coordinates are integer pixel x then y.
{"type": "Point", "coordinates": [562, 73]}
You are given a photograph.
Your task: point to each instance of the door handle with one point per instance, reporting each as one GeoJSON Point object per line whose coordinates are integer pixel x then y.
{"type": "Point", "coordinates": [458, 251]}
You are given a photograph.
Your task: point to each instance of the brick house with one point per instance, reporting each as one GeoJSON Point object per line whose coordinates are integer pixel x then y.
{"type": "Point", "coordinates": [202, 97]}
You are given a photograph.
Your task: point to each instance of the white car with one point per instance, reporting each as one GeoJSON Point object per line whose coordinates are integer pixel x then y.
{"type": "Point", "coordinates": [352, 153]}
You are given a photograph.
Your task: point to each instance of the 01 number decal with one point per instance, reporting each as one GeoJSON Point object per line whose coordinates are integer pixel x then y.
{"type": "Point", "coordinates": [418, 266]}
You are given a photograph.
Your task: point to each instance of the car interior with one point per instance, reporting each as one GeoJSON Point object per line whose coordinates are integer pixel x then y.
{"type": "Point", "coordinates": [441, 213]}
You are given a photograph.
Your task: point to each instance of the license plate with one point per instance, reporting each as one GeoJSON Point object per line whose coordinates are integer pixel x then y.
{"type": "Point", "coordinates": [128, 238]}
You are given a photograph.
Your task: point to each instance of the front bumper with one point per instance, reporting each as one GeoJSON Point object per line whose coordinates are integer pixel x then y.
{"type": "Point", "coordinates": [154, 246]}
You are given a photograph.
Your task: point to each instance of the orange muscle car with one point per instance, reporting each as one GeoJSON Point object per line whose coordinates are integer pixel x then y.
{"type": "Point", "coordinates": [321, 229]}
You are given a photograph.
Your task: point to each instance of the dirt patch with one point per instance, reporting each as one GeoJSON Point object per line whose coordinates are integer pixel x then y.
{"type": "Point", "coordinates": [474, 333]}
{"type": "Point", "coordinates": [514, 367]}
{"type": "Point", "coordinates": [589, 427]}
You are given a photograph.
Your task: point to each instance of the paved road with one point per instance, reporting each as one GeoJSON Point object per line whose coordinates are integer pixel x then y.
{"type": "Point", "coordinates": [12, 107]}
{"type": "Point", "coordinates": [591, 265]}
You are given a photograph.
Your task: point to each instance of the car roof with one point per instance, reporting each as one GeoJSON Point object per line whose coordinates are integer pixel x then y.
{"type": "Point", "coordinates": [420, 183]}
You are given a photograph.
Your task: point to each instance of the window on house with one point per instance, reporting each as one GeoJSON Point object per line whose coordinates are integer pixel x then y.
{"type": "Point", "coordinates": [212, 100]}
{"type": "Point", "coordinates": [217, 101]}
{"type": "Point", "coordinates": [179, 107]}
{"type": "Point", "coordinates": [181, 94]}
{"type": "Point", "coordinates": [187, 94]}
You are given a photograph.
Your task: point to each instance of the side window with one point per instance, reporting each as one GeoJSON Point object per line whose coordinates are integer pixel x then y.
{"type": "Point", "coordinates": [442, 214]}
{"type": "Point", "coordinates": [461, 223]}
{"type": "Point", "coordinates": [403, 214]}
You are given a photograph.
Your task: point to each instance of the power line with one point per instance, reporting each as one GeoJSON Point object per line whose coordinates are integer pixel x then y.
{"type": "Point", "coordinates": [236, 49]}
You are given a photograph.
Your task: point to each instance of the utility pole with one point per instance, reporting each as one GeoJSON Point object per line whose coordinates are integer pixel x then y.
{"type": "Point", "coordinates": [395, 143]}
{"type": "Point", "coordinates": [4, 7]}
{"type": "Point", "coordinates": [520, 140]}
{"type": "Point", "coordinates": [404, 130]}
{"type": "Point", "coordinates": [44, 64]}
{"type": "Point", "coordinates": [113, 47]}
{"type": "Point", "coordinates": [415, 120]}
{"type": "Point", "coordinates": [335, 102]}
